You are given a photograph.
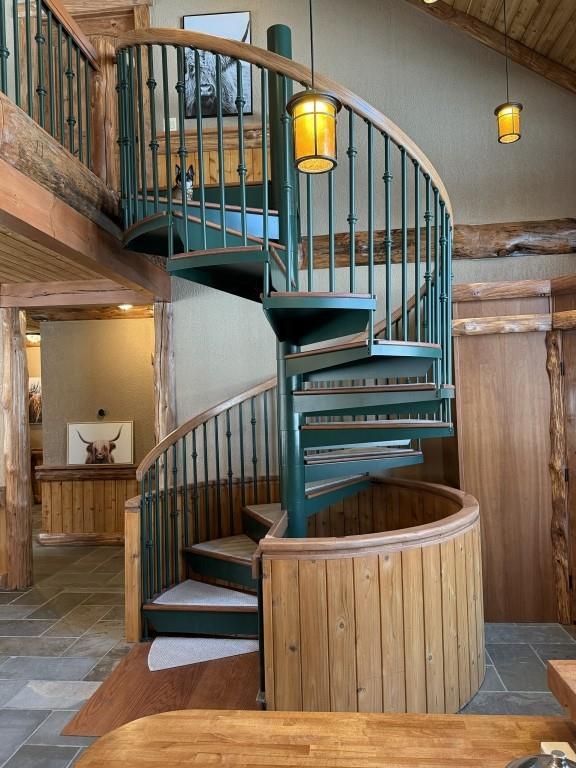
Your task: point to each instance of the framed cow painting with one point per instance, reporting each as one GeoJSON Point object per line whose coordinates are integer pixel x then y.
{"type": "Point", "coordinates": [100, 442]}
{"type": "Point", "coordinates": [235, 26]}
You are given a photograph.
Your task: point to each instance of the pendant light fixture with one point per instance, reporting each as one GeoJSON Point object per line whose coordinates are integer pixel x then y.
{"type": "Point", "coordinates": [508, 114]}
{"type": "Point", "coordinates": [314, 123]}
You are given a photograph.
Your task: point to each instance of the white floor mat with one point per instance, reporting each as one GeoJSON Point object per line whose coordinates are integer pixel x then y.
{"type": "Point", "coordinates": [197, 593]}
{"type": "Point", "coordinates": [169, 652]}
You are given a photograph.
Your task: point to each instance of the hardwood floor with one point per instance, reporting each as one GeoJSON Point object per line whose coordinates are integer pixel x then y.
{"type": "Point", "coordinates": [132, 691]}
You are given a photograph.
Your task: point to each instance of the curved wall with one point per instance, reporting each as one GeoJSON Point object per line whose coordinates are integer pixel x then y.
{"type": "Point", "coordinates": [378, 622]}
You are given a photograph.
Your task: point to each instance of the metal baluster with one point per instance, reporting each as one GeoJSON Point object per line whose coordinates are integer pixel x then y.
{"type": "Point", "coordinates": [266, 448]}
{"type": "Point", "coordinates": [133, 136]}
{"type": "Point", "coordinates": [125, 176]}
{"type": "Point", "coordinates": [141, 131]}
{"type": "Point", "coordinates": [229, 472]}
{"type": "Point", "coordinates": [206, 484]}
{"type": "Point", "coordinates": [404, 184]}
{"type": "Point", "coordinates": [79, 100]}
{"type": "Point", "coordinates": [174, 515]}
{"type": "Point", "coordinates": [331, 242]}
{"type": "Point", "coordinates": [185, 511]}
{"type": "Point", "coordinates": [444, 336]}
{"type": "Point", "coordinates": [27, 33]}
{"type": "Point", "coordinates": [371, 226]}
{"type": "Point", "coordinates": [200, 143]}
{"type": "Point", "coordinates": [4, 52]}
{"type": "Point", "coordinates": [165, 520]}
{"type": "Point", "coordinates": [71, 120]}
{"type": "Point", "coordinates": [62, 131]}
{"type": "Point", "coordinates": [168, 149]}
{"type": "Point", "coordinates": [217, 462]}
{"type": "Point", "coordinates": [182, 151]}
{"type": "Point", "coordinates": [87, 88]}
{"type": "Point", "coordinates": [388, 239]}
{"type": "Point", "coordinates": [195, 489]}
{"type": "Point", "coordinates": [40, 42]}
{"type": "Point", "coordinates": [158, 536]}
{"type": "Point", "coordinates": [352, 153]}
{"type": "Point", "coordinates": [254, 448]}
{"type": "Point", "coordinates": [428, 272]}
{"type": "Point", "coordinates": [144, 539]}
{"type": "Point", "coordinates": [16, 35]}
{"type": "Point", "coordinates": [51, 76]}
{"type": "Point", "coordinates": [417, 319]}
{"type": "Point", "coordinates": [151, 536]}
{"type": "Point", "coordinates": [287, 191]}
{"type": "Point", "coordinates": [448, 351]}
{"type": "Point", "coordinates": [437, 257]}
{"type": "Point", "coordinates": [310, 232]}
{"type": "Point", "coordinates": [241, 431]}
{"type": "Point", "coordinates": [154, 144]}
{"type": "Point", "coordinates": [220, 132]}
{"type": "Point", "coordinates": [265, 201]}
{"type": "Point", "coordinates": [240, 102]}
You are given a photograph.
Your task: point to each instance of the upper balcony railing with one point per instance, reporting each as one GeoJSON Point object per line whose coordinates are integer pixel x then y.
{"type": "Point", "coordinates": [384, 185]}
{"type": "Point", "coordinates": [46, 67]}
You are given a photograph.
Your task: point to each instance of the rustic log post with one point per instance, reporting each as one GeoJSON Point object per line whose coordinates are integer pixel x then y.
{"type": "Point", "coordinates": [559, 526]}
{"type": "Point", "coordinates": [164, 386]}
{"type": "Point", "coordinates": [18, 522]}
{"type": "Point", "coordinates": [104, 112]}
{"type": "Point", "coordinates": [132, 568]}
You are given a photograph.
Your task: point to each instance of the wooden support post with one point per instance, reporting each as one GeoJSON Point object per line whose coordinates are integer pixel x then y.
{"type": "Point", "coordinates": [164, 386]}
{"type": "Point", "coordinates": [104, 113]}
{"type": "Point", "coordinates": [132, 567]}
{"type": "Point", "coordinates": [559, 527]}
{"type": "Point", "coordinates": [18, 522]}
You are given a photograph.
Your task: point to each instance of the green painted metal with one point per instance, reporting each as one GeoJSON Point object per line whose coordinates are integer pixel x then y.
{"type": "Point", "coordinates": [388, 178]}
{"type": "Point", "coordinates": [220, 132]}
{"type": "Point", "coordinates": [80, 121]}
{"type": "Point", "coordinates": [71, 119]}
{"type": "Point", "coordinates": [51, 76]}
{"type": "Point", "coordinates": [221, 623]}
{"type": "Point", "coordinates": [217, 467]}
{"type": "Point", "coordinates": [16, 44]}
{"type": "Point", "coordinates": [200, 144]}
{"type": "Point", "coordinates": [417, 254]}
{"type": "Point", "coordinates": [223, 570]}
{"type": "Point", "coordinates": [428, 272]}
{"type": "Point", "coordinates": [229, 472]}
{"type": "Point", "coordinates": [88, 89]}
{"type": "Point", "coordinates": [253, 528]}
{"type": "Point", "coordinates": [4, 52]}
{"type": "Point", "coordinates": [185, 493]}
{"type": "Point", "coordinates": [331, 238]}
{"type": "Point", "coordinates": [265, 190]}
{"type": "Point", "coordinates": [371, 225]}
{"type": "Point", "coordinates": [253, 423]}
{"type": "Point", "coordinates": [182, 150]}
{"type": "Point", "coordinates": [141, 128]}
{"type": "Point", "coordinates": [359, 435]}
{"type": "Point", "coordinates": [150, 235]}
{"type": "Point", "coordinates": [335, 469]}
{"type": "Point", "coordinates": [241, 449]}
{"type": "Point", "coordinates": [40, 39]}
{"type": "Point", "coordinates": [60, 65]}
{"type": "Point", "coordinates": [154, 143]}
{"type": "Point", "coordinates": [266, 448]}
{"type": "Point", "coordinates": [404, 216]}
{"type": "Point", "coordinates": [315, 504]}
{"type": "Point", "coordinates": [28, 45]}
{"type": "Point", "coordinates": [195, 488]}
{"type": "Point", "coordinates": [365, 402]}
{"type": "Point", "coordinates": [167, 142]}
{"type": "Point", "coordinates": [242, 170]}
{"type": "Point", "coordinates": [352, 153]}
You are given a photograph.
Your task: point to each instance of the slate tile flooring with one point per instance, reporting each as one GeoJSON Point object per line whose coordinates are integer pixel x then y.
{"type": "Point", "coordinates": [58, 641]}
{"type": "Point", "coordinates": [62, 638]}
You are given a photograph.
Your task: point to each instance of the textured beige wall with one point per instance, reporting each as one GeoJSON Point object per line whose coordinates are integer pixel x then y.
{"type": "Point", "coordinates": [92, 364]}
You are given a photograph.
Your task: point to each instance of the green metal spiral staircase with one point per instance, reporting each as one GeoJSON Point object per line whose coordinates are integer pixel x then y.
{"type": "Point", "coordinates": [363, 342]}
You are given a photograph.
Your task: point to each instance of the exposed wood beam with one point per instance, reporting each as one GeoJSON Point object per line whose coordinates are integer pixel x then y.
{"type": "Point", "coordinates": [41, 315]}
{"type": "Point", "coordinates": [18, 522]}
{"type": "Point", "coordinates": [76, 293]}
{"type": "Point", "coordinates": [81, 7]}
{"type": "Point", "coordinates": [494, 39]}
{"type": "Point", "coordinates": [519, 289]}
{"type": "Point", "coordinates": [471, 241]}
{"type": "Point", "coordinates": [28, 209]}
{"type": "Point", "coordinates": [482, 326]}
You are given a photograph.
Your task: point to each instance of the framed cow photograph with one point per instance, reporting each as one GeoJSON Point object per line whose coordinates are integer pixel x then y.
{"type": "Point", "coordinates": [235, 26]}
{"type": "Point", "coordinates": [101, 442]}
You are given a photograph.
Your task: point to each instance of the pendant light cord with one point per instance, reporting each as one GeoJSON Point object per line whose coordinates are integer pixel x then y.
{"type": "Point", "coordinates": [505, 50]}
{"type": "Point", "coordinates": [311, 42]}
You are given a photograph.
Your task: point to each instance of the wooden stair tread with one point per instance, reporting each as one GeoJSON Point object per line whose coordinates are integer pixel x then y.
{"type": "Point", "coordinates": [362, 454]}
{"type": "Point", "coordinates": [192, 595]}
{"type": "Point", "coordinates": [238, 549]}
{"type": "Point", "coordinates": [360, 344]}
{"type": "Point", "coordinates": [217, 251]}
{"type": "Point", "coordinates": [216, 226]}
{"type": "Point", "coordinates": [328, 486]}
{"type": "Point", "coordinates": [215, 206]}
{"type": "Point", "coordinates": [378, 388]}
{"type": "Point", "coordinates": [387, 424]}
{"type": "Point", "coordinates": [269, 514]}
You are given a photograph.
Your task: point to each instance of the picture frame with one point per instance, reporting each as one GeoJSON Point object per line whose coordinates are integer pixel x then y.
{"type": "Point", "coordinates": [100, 443]}
{"type": "Point", "coordinates": [234, 25]}
{"type": "Point", "coordinates": [34, 400]}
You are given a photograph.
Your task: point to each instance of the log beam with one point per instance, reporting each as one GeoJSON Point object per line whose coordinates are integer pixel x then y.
{"type": "Point", "coordinates": [164, 378]}
{"type": "Point", "coordinates": [73, 293]}
{"type": "Point", "coordinates": [493, 39]}
{"type": "Point", "coordinates": [560, 517]}
{"type": "Point", "coordinates": [18, 522]}
{"type": "Point", "coordinates": [471, 241]}
{"type": "Point", "coordinates": [104, 113]}
{"type": "Point", "coordinates": [482, 326]}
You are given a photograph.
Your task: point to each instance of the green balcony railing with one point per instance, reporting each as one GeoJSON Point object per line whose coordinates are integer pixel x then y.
{"type": "Point", "coordinates": [46, 68]}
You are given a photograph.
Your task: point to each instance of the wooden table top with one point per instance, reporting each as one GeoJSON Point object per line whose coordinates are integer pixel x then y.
{"type": "Point", "coordinates": [343, 740]}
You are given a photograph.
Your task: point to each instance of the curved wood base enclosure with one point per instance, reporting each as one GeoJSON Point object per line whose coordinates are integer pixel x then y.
{"type": "Point", "coordinates": [377, 622]}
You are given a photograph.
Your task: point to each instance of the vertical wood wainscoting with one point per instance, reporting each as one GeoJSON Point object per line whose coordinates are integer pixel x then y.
{"type": "Point", "coordinates": [387, 621]}
{"type": "Point", "coordinates": [85, 504]}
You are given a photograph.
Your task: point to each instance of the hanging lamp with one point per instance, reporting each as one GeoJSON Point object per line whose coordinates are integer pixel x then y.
{"type": "Point", "coordinates": [508, 114]}
{"type": "Point", "coordinates": [314, 124]}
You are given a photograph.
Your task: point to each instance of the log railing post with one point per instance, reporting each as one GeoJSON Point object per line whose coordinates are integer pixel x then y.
{"type": "Point", "coordinates": [18, 510]}
{"type": "Point", "coordinates": [104, 113]}
{"type": "Point", "coordinates": [164, 387]}
{"type": "Point", "coordinates": [132, 566]}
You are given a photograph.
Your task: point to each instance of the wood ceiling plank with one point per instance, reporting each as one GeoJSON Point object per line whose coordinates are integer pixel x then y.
{"type": "Point", "coordinates": [562, 46]}
{"type": "Point", "coordinates": [38, 250]}
{"type": "Point", "coordinates": [519, 23]}
{"type": "Point", "coordinates": [40, 261]}
{"type": "Point", "coordinates": [81, 7]}
{"type": "Point", "coordinates": [540, 20]}
{"type": "Point", "coordinates": [564, 17]}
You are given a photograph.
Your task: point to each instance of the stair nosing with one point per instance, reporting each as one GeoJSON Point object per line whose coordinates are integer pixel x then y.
{"type": "Point", "coordinates": [388, 424]}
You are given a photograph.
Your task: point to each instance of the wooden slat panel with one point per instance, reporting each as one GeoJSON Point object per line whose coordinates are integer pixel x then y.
{"type": "Point", "coordinates": [472, 599]}
{"type": "Point", "coordinates": [462, 617]}
{"type": "Point", "coordinates": [450, 627]}
{"type": "Point", "coordinates": [315, 655]}
{"type": "Point", "coordinates": [414, 644]}
{"type": "Point", "coordinates": [286, 623]}
{"type": "Point", "coordinates": [393, 664]}
{"type": "Point", "coordinates": [56, 507]}
{"type": "Point", "coordinates": [368, 638]}
{"type": "Point", "coordinates": [268, 608]}
{"type": "Point", "coordinates": [77, 506]}
{"type": "Point", "coordinates": [341, 635]}
{"type": "Point", "coordinates": [433, 623]}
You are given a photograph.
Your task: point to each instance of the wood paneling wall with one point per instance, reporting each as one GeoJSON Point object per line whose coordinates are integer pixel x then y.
{"type": "Point", "coordinates": [85, 504]}
{"type": "Point", "coordinates": [3, 540]}
{"type": "Point", "coordinates": [503, 407]}
{"type": "Point", "coordinates": [382, 629]}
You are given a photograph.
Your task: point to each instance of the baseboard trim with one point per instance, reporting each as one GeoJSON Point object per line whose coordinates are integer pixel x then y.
{"type": "Point", "coordinates": [87, 539]}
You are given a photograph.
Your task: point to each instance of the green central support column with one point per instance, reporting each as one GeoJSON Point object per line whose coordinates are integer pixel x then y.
{"type": "Point", "coordinates": [292, 490]}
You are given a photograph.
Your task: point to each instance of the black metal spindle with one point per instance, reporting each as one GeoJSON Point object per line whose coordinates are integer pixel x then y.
{"type": "Point", "coordinates": [207, 510]}
{"type": "Point", "coordinates": [28, 40]}
{"type": "Point", "coordinates": [51, 75]}
{"type": "Point", "coordinates": [71, 120]}
{"type": "Point", "coordinates": [40, 39]}
{"type": "Point", "coordinates": [352, 153]}
{"type": "Point", "coordinates": [141, 131]}
{"type": "Point", "coordinates": [266, 448]}
{"type": "Point", "coordinates": [253, 423]}
{"type": "Point", "coordinates": [79, 84]}
{"type": "Point", "coordinates": [185, 510]}
{"type": "Point", "coordinates": [240, 102]}
{"type": "Point", "coordinates": [16, 43]}
{"type": "Point", "coordinates": [229, 471]}
{"type": "Point", "coordinates": [61, 109]}
{"type": "Point", "coordinates": [195, 489]}
{"type": "Point", "coordinates": [154, 144]}
{"type": "Point", "coordinates": [241, 436]}
{"type": "Point", "coordinates": [200, 144]}
{"type": "Point", "coordinates": [165, 520]}
{"type": "Point", "coordinates": [175, 518]}
{"type": "Point", "coordinates": [182, 150]}
{"type": "Point", "coordinates": [88, 94]}
{"type": "Point", "coordinates": [217, 469]}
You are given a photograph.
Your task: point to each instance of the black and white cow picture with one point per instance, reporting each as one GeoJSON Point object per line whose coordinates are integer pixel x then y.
{"type": "Point", "coordinates": [208, 79]}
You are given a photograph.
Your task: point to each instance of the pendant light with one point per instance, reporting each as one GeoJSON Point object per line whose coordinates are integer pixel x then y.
{"type": "Point", "coordinates": [314, 124]}
{"type": "Point", "coordinates": [508, 114]}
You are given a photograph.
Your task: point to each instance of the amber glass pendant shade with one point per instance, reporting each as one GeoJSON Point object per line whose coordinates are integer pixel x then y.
{"type": "Point", "coordinates": [314, 126]}
{"type": "Point", "coordinates": [508, 117]}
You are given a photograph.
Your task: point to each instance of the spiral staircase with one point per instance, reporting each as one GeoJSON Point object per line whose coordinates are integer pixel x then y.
{"type": "Point", "coordinates": [363, 338]}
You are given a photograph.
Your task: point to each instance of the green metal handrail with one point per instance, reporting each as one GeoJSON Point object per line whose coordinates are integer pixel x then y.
{"type": "Point", "coordinates": [40, 48]}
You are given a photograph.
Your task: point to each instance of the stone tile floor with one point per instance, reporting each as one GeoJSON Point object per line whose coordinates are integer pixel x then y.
{"type": "Point", "coordinates": [60, 639]}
